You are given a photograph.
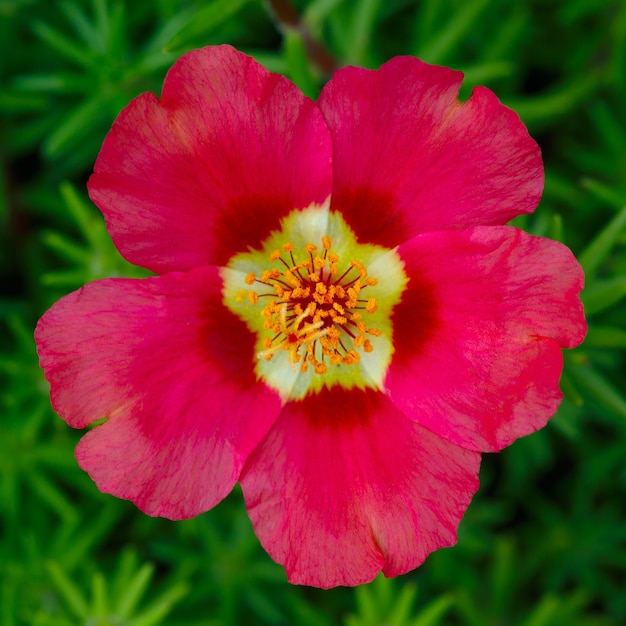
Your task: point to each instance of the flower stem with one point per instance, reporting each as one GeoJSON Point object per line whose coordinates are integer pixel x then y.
{"type": "Point", "coordinates": [287, 18]}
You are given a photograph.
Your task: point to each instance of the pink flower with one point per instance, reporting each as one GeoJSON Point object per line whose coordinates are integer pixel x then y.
{"type": "Point", "coordinates": [340, 320]}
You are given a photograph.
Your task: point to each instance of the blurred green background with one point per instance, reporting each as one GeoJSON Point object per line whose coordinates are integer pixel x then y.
{"type": "Point", "coordinates": [544, 541]}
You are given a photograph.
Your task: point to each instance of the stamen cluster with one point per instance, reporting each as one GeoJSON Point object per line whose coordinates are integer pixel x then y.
{"type": "Point", "coordinates": [315, 313]}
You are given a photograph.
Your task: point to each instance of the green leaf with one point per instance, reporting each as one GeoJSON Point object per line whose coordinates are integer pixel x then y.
{"type": "Point", "coordinates": [555, 230]}
{"type": "Point", "coordinates": [570, 391]}
{"type": "Point", "coordinates": [99, 604]}
{"type": "Point", "coordinates": [210, 17]}
{"type": "Point", "coordinates": [70, 279]}
{"type": "Point", "coordinates": [553, 609]}
{"type": "Point", "coordinates": [605, 337]}
{"type": "Point", "coordinates": [68, 590]}
{"type": "Point", "coordinates": [619, 55]}
{"type": "Point", "coordinates": [135, 591]}
{"type": "Point", "coordinates": [264, 605]}
{"type": "Point", "coordinates": [161, 607]}
{"type": "Point", "coordinates": [485, 73]}
{"type": "Point", "coordinates": [502, 575]}
{"type": "Point", "coordinates": [366, 602]}
{"type": "Point", "coordinates": [102, 20]}
{"type": "Point", "coordinates": [127, 563]}
{"type": "Point", "coordinates": [8, 601]}
{"type": "Point", "coordinates": [75, 127]}
{"type": "Point", "coordinates": [36, 129]}
{"type": "Point", "coordinates": [298, 66]}
{"type": "Point", "coordinates": [82, 212]}
{"type": "Point", "coordinates": [82, 26]}
{"type": "Point", "coordinates": [61, 82]}
{"type": "Point", "coordinates": [547, 106]}
{"type": "Point", "coordinates": [609, 127]}
{"type": "Point", "coordinates": [13, 101]}
{"type": "Point", "coordinates": [317, 11]}
{"type": "Point", "coordinates": [402, 605]}
{"type": "Point", "coordinates": [444, 41]}
{"type": "Point", "coordinates": [117, 39]}
{"type": "Point", "coordinates": [591, 382]}
{"type": "Point", "coordinates": [425, 23]}
{"type": "Point", "coordinates": [603, 192]}
{"type": "Point", "coordinates": [51, 495]}
{"type": "Point", "coordinates": [80, 544]}
{"type": "Point", "coordinates": [600, 247]}
{"type": "Point", "coordinates": [505, 41]}
{"type": "Point", "coordinates": [62, 45]}
{"type": "Point", "coordinates": [433, 613]}
{"type": "Point", "coordinates": [166, 33]}
{"type": "Point", "coordinates": [603, 294]}
{"type": "Point", "coordinates": [363, 27]}
{"type": "Point", "coordinates": [273, 62]}
{"type": "Point", "coordinates": [544, 613]}
{"type": "Point", "coordinates": [65, 247]}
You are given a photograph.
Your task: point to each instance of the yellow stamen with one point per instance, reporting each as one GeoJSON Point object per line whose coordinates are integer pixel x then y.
{"type": "Point", "coordinates": [312, 314]}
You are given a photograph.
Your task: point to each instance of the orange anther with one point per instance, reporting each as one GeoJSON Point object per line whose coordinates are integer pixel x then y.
{"type": "Point", "coordinates": [316, 313]}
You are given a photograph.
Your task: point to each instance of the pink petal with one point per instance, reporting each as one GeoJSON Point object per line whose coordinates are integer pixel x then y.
{"type": "Point", "coordinates": [172, 371]}
{"type": "Point", "coordinates": [344, 485]}
{"type": "Point", "coordinates": [478, 333]}
{"type": "Point", "coordinates": [210, 168]}
{"type": "Point", "coordinates": [409, 158]}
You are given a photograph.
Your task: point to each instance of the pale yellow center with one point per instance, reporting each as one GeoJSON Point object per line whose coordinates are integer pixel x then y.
{"type": "Point", "coordinates": [319, 303]}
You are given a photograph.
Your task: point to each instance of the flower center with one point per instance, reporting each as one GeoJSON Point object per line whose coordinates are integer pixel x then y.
{"type": "Point", "coordinates": [315, 312]}
{"type": "Point", "coordinates": [319, 303]}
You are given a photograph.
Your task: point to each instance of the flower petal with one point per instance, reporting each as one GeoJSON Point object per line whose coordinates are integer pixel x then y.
{"type": "Point", "coordinates": [172, 371]}
{"type": "Point", "coordinates": [478, 333]}
{"type": "Point", "coordinates": [408, 157]}
{"type": "Point", "coordinates": [344, 485]}
{"type": "Point", "coordinates": [210, 168]}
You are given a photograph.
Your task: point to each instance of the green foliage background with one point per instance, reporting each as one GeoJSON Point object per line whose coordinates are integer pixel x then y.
{"type": "Point", "coordinates": [544, 541]}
